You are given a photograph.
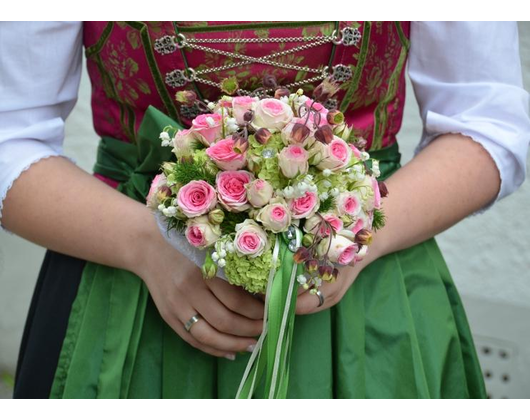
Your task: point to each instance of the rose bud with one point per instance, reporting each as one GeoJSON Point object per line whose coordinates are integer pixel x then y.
{"type": "Point", "coordinates": [325, 272]}
{"type": "Point", "coordinates": [335, 274]}
{"type": "Point", "coordinates": [308, 239]}
{"type": "Point", "coordinates": [325, 90]}
{"type": "Point", "coordinates": [311, 265]}
{"type": "Point", "coordinates": [324, 134]}
{"type": "Point", "coordinates": [186, 97]}
{"type": "Point", "coordinates": [229, 85]}
{"type": "Point", "coordinates": [280, 92]}
{"type": "Point", "coordinates": [335, 117]}
{"type": "Point", "coordinates": [209, 269]}
{"type": "Point", "coordinates": [216, 216]}
{"type": "Point", "coordinates": [241, 145]}
{"type": "Point", "coordinates": [361, 143]}
{"type": "Point", "coordinates": [299, 133]}
{"type": "Point", "coordinates": [269, 81]}
{"type": "Point", "coordinates": [186, 159]}
{"type": "Point", "coordinates": [363, 237]}
{"type": "Point", "coordinates": [259, 192]}
{"type": "Point", "coordinates": [301, 255]}
{"type": "Point", "coordinates": [247, 116]}
{"type": "Point", "coordinates": [383, 189]}
{"type": "Point", "coordinates": [262, 135]}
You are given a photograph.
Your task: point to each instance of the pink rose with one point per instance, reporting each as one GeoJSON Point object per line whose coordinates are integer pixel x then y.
{"type": "Point", "coordinates": [242, 104]}
{"type": "Point", "coordinates": [321, 109]}
{"type": "Point", "coordinates": [361, 221]}
{"type": "Point", "coordinates": [342, 250]}
{"type": "Point", "coordinates": [356, 152]}
{"type": "Point", "coordinates": [158, 188]}
{"type": "Point", "coordinates": [377, 193]}
{"type": "Point", "coordinates": [200, 233]}
{"type": "Point", "coordinates": [196, 198]}
{"type": "Point", "coordinates": [259, 192]}
{"type": "Point", "coordinates": [250, 239]}
{"type": "Point", "coordinates": [275, 217]}
{"type": "Point", "coordinates": [272, 114]}
{"type": "Point", "coordinates": [231, 189]}
{"type": "Point", "coordinates": [348, 203]}
{"type": "Point", "coordinates": [370, 193]}
{"type": "Point", "coordinates": [224, 156]}
{"type": "Point", "coordinates": [292, 161]}
{"type": "Point", "coordinates": [183, 143]}
{"type": "Point", "coordinates": [337, 155]}
{"type": "Point", "coordinates": [304, 207]}
{"type": "Point", "coordinates": [311, 224]}
{"type": "Point", "coordinates": [209, 127]}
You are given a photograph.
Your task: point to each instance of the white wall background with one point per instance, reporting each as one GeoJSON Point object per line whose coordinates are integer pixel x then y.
{"type": "Point", "coordinates": [488, 255]}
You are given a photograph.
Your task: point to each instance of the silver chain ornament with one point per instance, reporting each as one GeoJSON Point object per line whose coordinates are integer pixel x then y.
{"type": "Point", "coordinates": [178, 78]}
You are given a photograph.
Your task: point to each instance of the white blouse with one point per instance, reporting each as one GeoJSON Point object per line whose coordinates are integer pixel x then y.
{"type": "Point", "coordinates": [466, 77]}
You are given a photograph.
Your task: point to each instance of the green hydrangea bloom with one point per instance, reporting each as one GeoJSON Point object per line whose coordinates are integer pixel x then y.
{"type": "Point", "coordinates": [267, 169]}
{"type": "Point", "coordinates": [249, 273]}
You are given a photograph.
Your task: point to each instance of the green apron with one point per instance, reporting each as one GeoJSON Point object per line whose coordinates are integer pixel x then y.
{"type": "Point", "coordinates": [400, 331]}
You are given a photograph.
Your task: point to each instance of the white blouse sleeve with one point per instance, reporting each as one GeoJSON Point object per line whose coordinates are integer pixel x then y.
{"type": "Point", "coordinates": [40, 69]}
{"type": "Point", "coordinates": [467, 79]}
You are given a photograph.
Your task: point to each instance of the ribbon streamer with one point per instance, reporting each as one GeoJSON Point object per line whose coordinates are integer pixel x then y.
{"type": "Point", "coordinates": [273, 347]}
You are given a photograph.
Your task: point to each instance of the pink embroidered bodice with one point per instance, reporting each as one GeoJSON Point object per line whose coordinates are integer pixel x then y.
{"type": "Point", "coordinates": [136, 64]}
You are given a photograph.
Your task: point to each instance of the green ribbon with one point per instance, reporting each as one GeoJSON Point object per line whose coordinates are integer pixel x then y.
{"type": "Point", "coordinates": [135, 165]}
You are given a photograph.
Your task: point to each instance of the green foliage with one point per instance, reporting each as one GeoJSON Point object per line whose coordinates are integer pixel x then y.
{"type": "Point", "coordinates": [185, 172]}
{"type": "Point", "coordinates": [327, 205]}
{"type": "Point", "coordinates": [379, 219]}
{"type": "Point", "coordinates": [176, 225]}
{"type": "Point", "coordinates": [231, 220]}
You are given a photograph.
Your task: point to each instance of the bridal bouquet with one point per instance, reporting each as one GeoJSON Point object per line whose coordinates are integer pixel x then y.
{"type": "Point", "coordinates": [267, 190]}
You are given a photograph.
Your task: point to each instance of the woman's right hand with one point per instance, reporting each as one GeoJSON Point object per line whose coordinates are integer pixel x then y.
{"type": "Point", "coordinates": [230, 317]}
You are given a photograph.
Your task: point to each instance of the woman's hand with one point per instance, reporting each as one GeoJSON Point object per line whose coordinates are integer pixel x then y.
{"type": "Point", "coordinates": [230, 317]}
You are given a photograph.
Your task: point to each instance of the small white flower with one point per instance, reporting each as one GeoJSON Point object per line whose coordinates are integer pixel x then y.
{"type": "Point", "coordinates": [170, 211]}
{"type": "Point", "coordinates": [334, 192]}
{"type": "Point", "coordinates": [308, 178]}
{"type": "Point", "coordinates": [215, 256]}
{"type": "Point", "coordinates": [166, 140]}
{"type": "Point", "coordinates": [211, 105]}
{"type": "Point", "coordinates": [313, 188]}
{"type": "Point", "coordinates": [222, 253]}
{"type": "Point", "coordinates": [221, 263]}
{"type": "Point", "coordinates": [161, 207]}
{"type": "Point", "coordinates": [284, 99]}
{"type": "Point", "coordinates": [364, 156]}
{"type": "Point", "coordinates": [326, 184]}
{"type": "Point", "coordinates": [288, 192]}
{"type": "Point", "coordinates": [323, 196]}
{"type": "Point", "coordinates": [230, 247]}
{"type": "Point", "coordinates": [301, 279]}
{"type": "Point", "coordinates": [326, 172]}
{"type": "Point", "coordinates": [300, 92]}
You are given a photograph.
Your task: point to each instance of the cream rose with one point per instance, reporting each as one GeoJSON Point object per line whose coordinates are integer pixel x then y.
{"type": "Point", "coordinates": [272, 114]}
{"type": "Point", "coordinates": [200, 233]}
{"type": "Point", "coordinates": [275, 217]}
{"type": "Point", "coordinates": [250, 239]}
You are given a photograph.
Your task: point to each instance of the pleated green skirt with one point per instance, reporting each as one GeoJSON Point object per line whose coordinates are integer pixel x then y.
{"type": "Point", "coordinates": [399, 332]}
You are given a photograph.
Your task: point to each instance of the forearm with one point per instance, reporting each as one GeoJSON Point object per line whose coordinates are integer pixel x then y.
{"type": "Point", "coordinates": [59, 206]}
{"type": "Point", "coordinates": [448, 180]}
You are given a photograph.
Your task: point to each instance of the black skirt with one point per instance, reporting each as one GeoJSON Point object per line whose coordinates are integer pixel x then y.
{"type": "Point", "coordinates": [45, 329]}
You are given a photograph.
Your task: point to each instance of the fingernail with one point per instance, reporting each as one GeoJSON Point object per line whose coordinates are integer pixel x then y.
{"type": "Point", "coordinates": [230, 356]}
{"type": "Point", "coordinates": [251, 348]}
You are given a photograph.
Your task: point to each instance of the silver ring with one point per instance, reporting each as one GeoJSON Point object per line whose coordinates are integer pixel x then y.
{"type": "Point", "coordinates": [320, 298]}
{"type": "Point", "coordinates": [195, 318]}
